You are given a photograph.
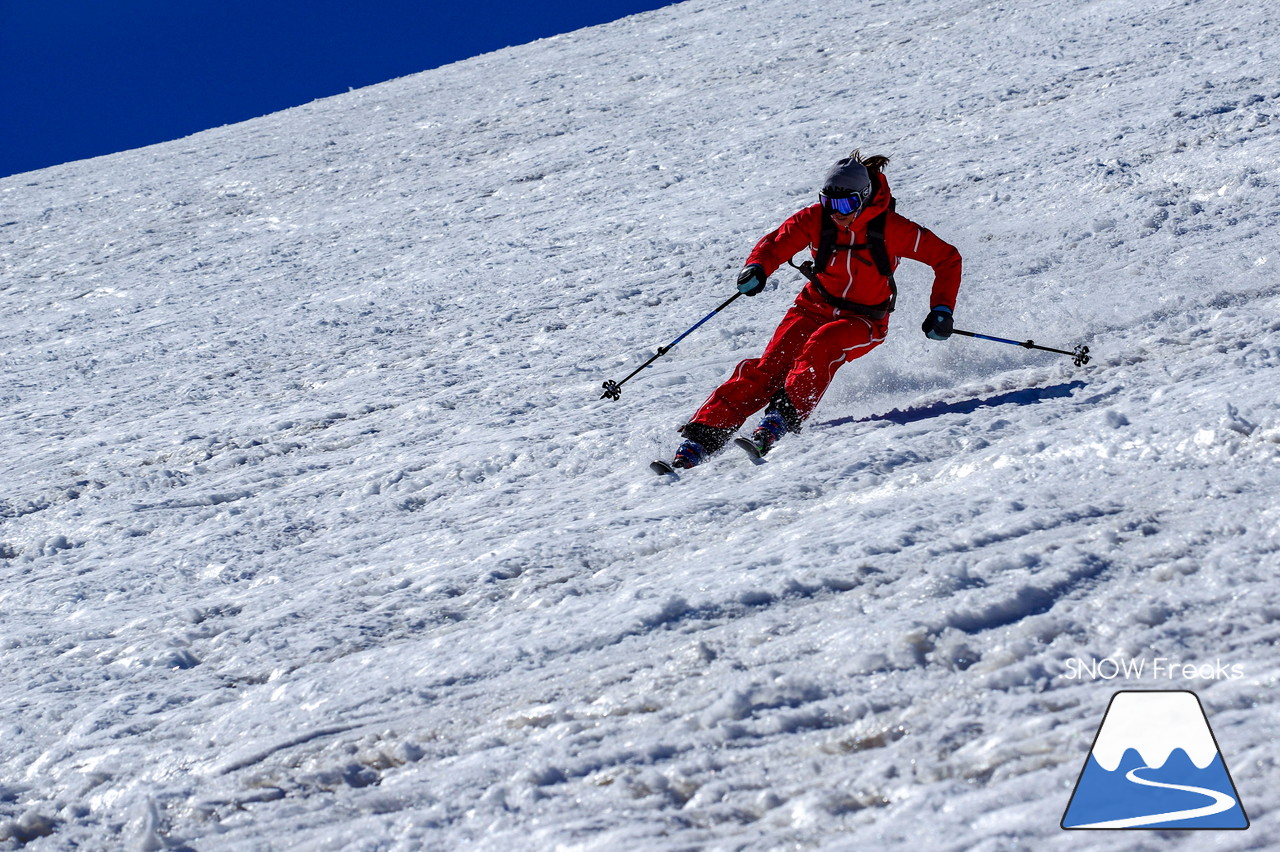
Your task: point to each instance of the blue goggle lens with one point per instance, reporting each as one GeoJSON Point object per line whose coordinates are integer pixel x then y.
{"type": "Point", "coordinates": [843, 206]}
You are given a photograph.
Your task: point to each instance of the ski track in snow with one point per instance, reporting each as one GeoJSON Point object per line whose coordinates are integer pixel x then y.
{"type": "Point", "coordinates": [315, 534]}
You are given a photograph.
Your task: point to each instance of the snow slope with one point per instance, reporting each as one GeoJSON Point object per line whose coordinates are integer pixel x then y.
{"type": "Point", "coordinates": [316, 535]}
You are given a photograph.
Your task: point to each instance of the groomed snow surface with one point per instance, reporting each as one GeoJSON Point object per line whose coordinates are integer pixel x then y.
{"type": "Point", "coordinates": [316, 534]}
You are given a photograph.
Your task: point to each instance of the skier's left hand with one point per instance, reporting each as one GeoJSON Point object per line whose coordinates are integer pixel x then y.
{"type": "Point", "coordinates": [938, 325]}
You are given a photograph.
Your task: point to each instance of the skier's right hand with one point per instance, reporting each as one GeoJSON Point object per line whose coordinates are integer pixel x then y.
{"type": "Point", "coordinates": [938, 324]}
{"type": "Point", "coordinates": [751, 280]}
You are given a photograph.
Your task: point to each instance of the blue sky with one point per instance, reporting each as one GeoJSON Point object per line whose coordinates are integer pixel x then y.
{"type": "Point", "coordinates": [81, 78]}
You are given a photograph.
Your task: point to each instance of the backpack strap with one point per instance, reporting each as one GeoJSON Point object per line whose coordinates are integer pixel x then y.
{"type": "Point", "coordinates": [828, 244]}
{"type": "Point", "coordinates": [876, 312]}
{"type": "Point", "coordinates": [875, 241]}
{"type": "Point", "coordinates": [826, 241]}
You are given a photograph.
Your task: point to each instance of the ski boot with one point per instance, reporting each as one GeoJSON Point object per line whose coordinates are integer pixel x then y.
{"type": "Point", "coordinates": [688, 454]}
{"type": "Point", "coordinates": [771, 428]}
{"type": "Point", "coordinates": [700, 443]}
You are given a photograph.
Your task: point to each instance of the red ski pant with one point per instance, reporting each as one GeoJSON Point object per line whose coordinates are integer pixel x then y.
{"type": "Point", "coordinates": [803, 356]}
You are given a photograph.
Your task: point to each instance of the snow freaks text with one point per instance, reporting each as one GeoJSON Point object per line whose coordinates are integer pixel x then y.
{"type": "Point", "coordinates": [1156, 668]}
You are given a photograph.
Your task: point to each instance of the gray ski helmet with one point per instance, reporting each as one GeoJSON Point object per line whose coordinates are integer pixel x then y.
{"type": "Point", "coordinates": [847, 179]}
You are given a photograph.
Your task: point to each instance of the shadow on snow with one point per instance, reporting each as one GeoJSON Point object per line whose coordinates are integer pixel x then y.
{"type": "Point", "coordinates": [1025, 396]}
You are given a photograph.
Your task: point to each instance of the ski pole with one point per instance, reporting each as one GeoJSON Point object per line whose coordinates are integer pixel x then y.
{"type": "Point", "coordinates": [613, 390]}
{"type": "Point", "coordinates": [1081, 353]}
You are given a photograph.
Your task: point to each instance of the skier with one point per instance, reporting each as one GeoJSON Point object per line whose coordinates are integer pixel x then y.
{"type": "Point", "coordinates": [841, 314]}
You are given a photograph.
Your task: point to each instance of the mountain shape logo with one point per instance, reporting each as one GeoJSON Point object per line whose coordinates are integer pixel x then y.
{"type": "Point", "coordinates": [1155, 764]}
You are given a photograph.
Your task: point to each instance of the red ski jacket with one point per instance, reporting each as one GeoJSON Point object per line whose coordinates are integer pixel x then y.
{"type": "Point", "coordinates": [852, 275]}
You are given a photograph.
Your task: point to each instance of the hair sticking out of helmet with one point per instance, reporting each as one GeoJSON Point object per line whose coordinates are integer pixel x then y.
{"type": "Point", "coordinates": [874, 164]}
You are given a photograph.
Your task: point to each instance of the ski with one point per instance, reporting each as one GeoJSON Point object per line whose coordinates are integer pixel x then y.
{"type": "Point", "coordinates": [753, 452]}
{"type": "Point", "coordinates": [660, 467]}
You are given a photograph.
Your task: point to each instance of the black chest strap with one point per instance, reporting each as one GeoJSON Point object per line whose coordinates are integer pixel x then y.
{"type": "Point", "coordinates": [829, 244]}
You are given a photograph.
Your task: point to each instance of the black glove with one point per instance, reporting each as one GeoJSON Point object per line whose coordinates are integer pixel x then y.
{"type": "Point", "coordinates": [751, 279]}
{"type": "Point", "coordinates": [938, 325]}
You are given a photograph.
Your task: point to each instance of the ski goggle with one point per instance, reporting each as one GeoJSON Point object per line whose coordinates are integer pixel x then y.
{"type": "Point", "coordinates": [842, 206]}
